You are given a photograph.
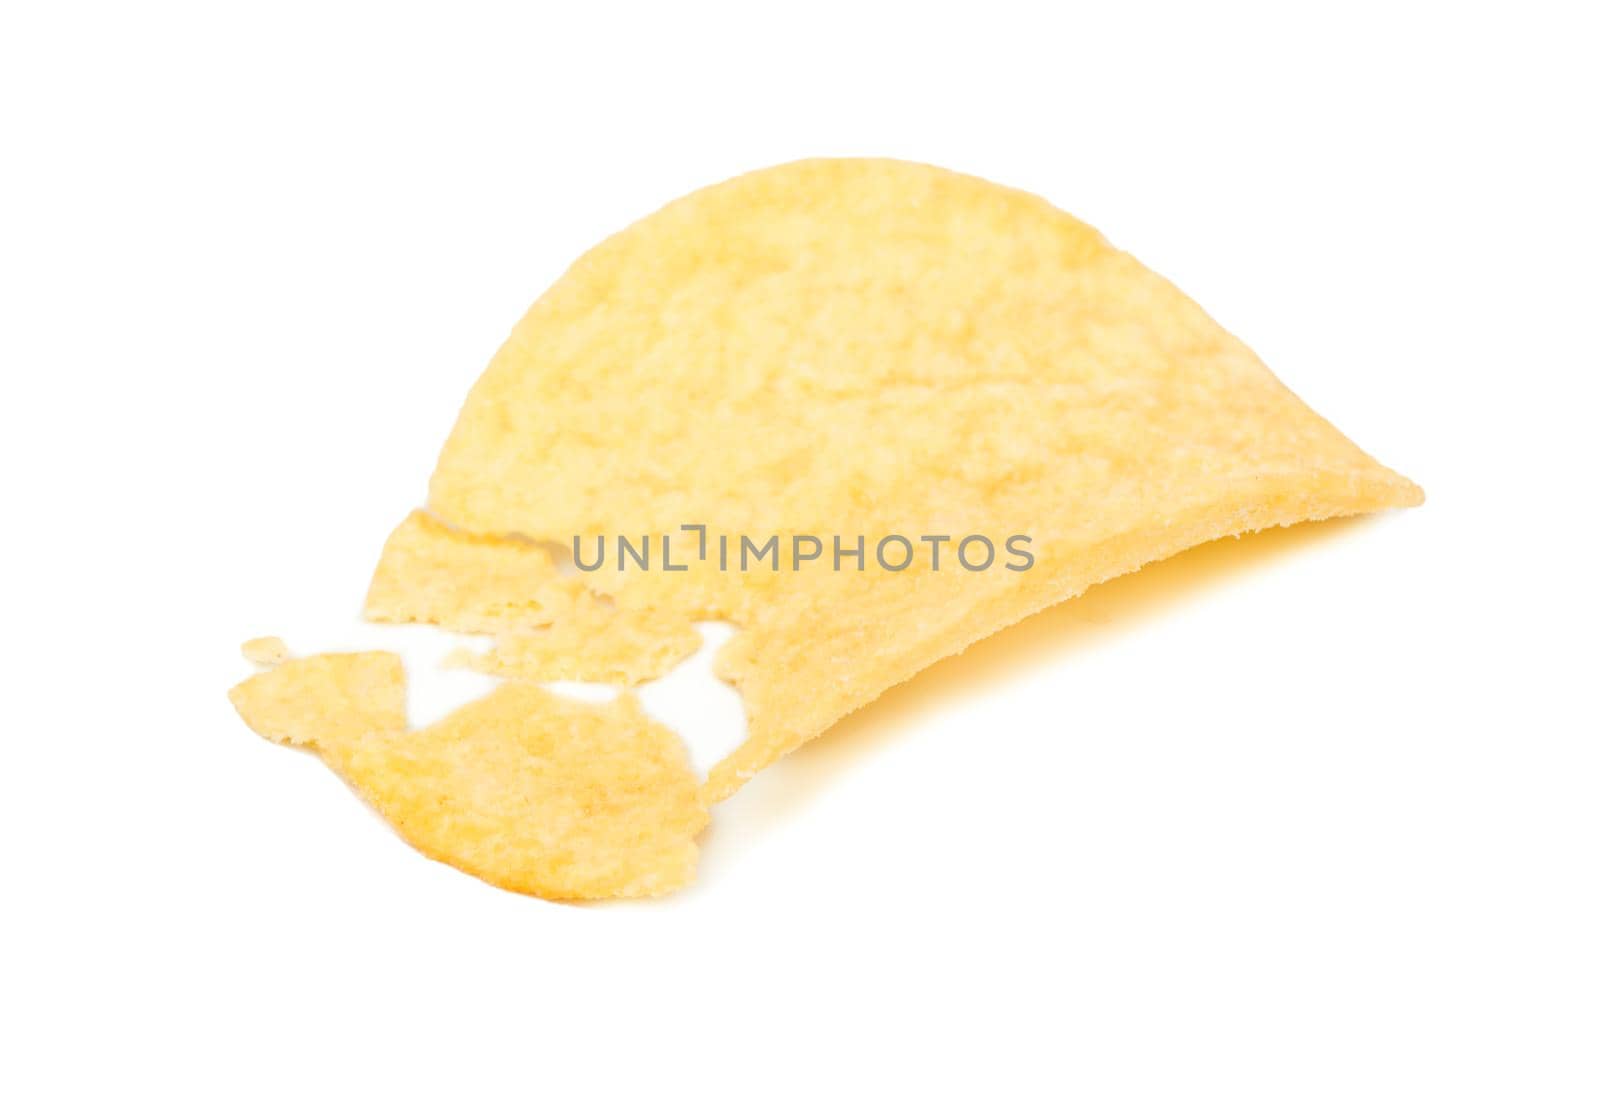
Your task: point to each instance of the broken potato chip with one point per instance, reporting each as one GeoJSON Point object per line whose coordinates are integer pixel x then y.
{"type": "Point", "coordinates": [845, 352]}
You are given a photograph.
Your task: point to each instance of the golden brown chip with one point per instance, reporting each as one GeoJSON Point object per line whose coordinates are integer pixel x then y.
{"type": "Point", "coordinates": [527, 790]}
{"type": "Point", "coordinates": [843, 347]}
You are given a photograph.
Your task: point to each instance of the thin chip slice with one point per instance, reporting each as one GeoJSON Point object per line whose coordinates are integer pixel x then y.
{"type": "Point", "coordinates": [524, 789]}
{"type": "Point", "coordinates": [843, 347]}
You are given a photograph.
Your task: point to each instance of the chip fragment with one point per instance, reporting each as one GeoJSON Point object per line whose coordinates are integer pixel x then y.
{"type": "Point", "coordinates": [547, 626]}
{"type": "Point", "coordinates": [527, 790]}
{"type": "Point", "coordinates": [432, 574]}
{"type": "Point", "coordinates": [264, 650]}
{"type": "Point", "coordinates": [325, 702]}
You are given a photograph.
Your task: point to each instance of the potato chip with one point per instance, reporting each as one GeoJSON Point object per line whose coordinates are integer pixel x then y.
{"type": "Point", "coordinates": [525, 789]}
{"type": "Point", "coordinates": [817, 360]}
{"type": "Point", "coordinates": [877, 348]}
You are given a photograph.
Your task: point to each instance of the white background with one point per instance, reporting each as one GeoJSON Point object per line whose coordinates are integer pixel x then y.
{"type": "Point", "coordinates": [1315, 812]}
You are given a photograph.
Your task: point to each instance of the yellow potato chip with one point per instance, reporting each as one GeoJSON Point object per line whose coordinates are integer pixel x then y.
{"type": "Point", "coordinates": [524, 789]}
{"type": "Point", "coordinates": [818, 361]}
{"type": "Point", "coordinates": [876, 348]}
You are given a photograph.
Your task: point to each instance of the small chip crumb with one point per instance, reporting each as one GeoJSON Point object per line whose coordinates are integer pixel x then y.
{"type": "Point", "coordinates": [265, 650]}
